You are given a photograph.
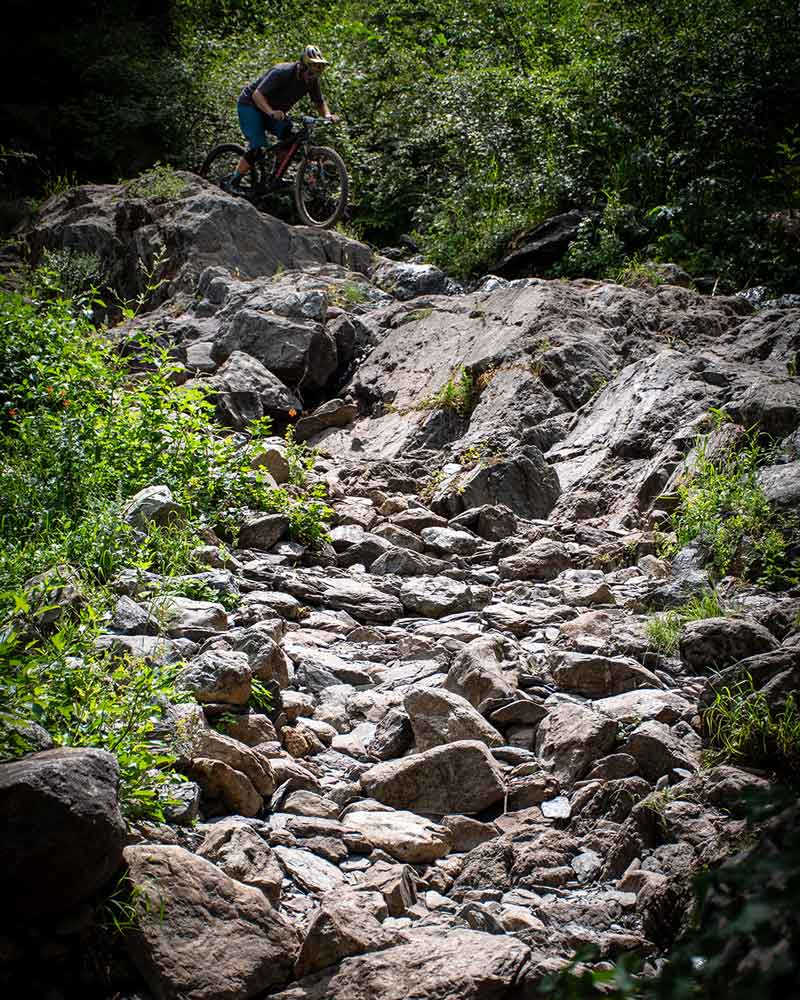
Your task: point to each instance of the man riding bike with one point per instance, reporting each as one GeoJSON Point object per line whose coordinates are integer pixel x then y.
{"type": "Point", "coordinates": [263, 105]}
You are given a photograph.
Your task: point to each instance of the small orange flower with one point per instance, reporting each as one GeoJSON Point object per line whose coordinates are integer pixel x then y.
{"type": "Point", "coordinates": [12, 412]}
{"type": "Point", "coordinates": [65, 402]}
{"type": "Point", "coordinates": [48, 388]}
{"type": "Point", "coordinates": [293, 412]}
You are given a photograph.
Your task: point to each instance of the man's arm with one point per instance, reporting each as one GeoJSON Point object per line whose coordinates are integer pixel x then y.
{"type": "Point", "coordinates": [263, 105]}
{"type": "Point", "coordinates": [325, 111]}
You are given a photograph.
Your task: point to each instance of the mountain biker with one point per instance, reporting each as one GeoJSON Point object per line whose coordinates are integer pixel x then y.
{"type": "Point", "coordinates": [263, 105]}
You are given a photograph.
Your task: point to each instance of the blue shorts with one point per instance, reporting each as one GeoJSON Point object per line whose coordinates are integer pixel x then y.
{"type": "Point", "coordinates": [255, 125]}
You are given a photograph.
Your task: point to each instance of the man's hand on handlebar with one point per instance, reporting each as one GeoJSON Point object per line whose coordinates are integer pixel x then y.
{"type": "Point", "coordinates": [277, 115]}
{"type": "Point", "coordinates": [332, 118]}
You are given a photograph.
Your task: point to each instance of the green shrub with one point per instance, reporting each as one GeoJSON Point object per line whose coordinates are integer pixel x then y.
{"type": "Point", "coordinates": [159, 183]}
{"type": "Point", "coordinates": [458, 394]}
{"type": "Point", "coordinates": [743, 727]}
{"type": "Point", "coordinates": [83, 699]}
{"type": "Point", "coordinates": [723, 506]}
{"type": "Point", "coordinates": [664, 630]}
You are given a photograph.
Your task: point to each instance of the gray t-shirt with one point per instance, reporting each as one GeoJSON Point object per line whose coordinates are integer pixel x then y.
{"type": "Point", "coordinates": [283, 87]}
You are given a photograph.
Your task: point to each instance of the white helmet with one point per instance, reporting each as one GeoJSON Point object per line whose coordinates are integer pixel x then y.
{"type": "Point", "coordinates": [313, 57]}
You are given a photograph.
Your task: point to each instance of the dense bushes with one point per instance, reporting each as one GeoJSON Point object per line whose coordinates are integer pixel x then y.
{"type": "Point", "coordinates": [82, 428]}
{"type": "Point", "coordinates": [469, 123]}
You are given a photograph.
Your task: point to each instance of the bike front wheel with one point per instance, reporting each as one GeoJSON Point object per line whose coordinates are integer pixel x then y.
{"type": "Point", "coordinates": [321, 187]}
{"type": "Point", "coordinates": [220, 164]}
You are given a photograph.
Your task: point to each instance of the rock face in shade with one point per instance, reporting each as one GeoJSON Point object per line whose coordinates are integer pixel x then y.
{"type": "Point", "coordinates": [61, 834]}
{"type": "Point", "coordinates": [464, 964]}
{"type": "Point", "coordinates": [456, 778]}
{"type": "Point", "coordinates": [213, 938]}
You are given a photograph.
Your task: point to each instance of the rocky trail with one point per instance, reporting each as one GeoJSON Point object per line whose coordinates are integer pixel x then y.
{"type": "Point", "coordinates": [474, 761]}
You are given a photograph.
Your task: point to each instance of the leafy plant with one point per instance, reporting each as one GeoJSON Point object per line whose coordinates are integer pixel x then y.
{"type": "Point", "coordinates": [159, 183]}
{"type": "Point", "coordinates": [664, 630]}
{"type": "Point", "coordinates": [260, 696]}
{"type": "Point", "coordinates": [458, 394]}
{"type": "Point", "coordinates": [743, 726]}
{"type": "Point", "coordinates": [83, 699]}
{"type": "Point", "coordinates": [723, 506]}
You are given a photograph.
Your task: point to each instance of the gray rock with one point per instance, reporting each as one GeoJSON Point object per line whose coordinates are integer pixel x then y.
{"type": "Point", "coordinates": [439, 716]}
{"type": "Point", "coordinates": [543, 560]}
{"type": "Point", "coordinates": [657, 751]}
{"type": "Point", "coordinates": [393, 736]}
{"type": "Point", "coordinates": [571, 738]}
{"type": "Point", "coordinates": [131, 618]}
{"type": "Point", "coordinates": [396, 883]}
{"type": "Point", "coordinates": [346, 924]}
{"type": "Point", "coordinates": [263, 531]}
{"type": "Point", "coordinates": [434, 597]}
{"type": "Point", "coordinates": [333, 413]}
{"type": "Point", "coordinates": [201, 934]}
{"type": "Point", "coordinates": [401, 834]}
{"type": "Point", "coordinates": [62, 832]}
{"type": "Point", "coordinates": [219, 675]}
{"type": "Point", "coordinates": [476, 673]}
{"type": "Point", "coordinates": [185, 618]}
{"type": "Point", "coordinates": [524, 483]}
{"type": "Point", "coordinates": [460, 777]}
{"type": "Point", "coordinates": [244, 390]}
{"type": "Point", "coordinates": [714, 643]}
{"type": "Point", "coordinates": [781, 484]}
{"type": "Point", "coordinates": [152, 504]}
{"type": "Point", "coordinates": [466, 964]}
{"type": "Point", "coordinates": [407, 281]}
{"type": "Point", "coordinates": [236, 848]}
{"type": "Point", "coordinates": [450, 542]}
{"type": "Point", "coordinates": [646, 704]}
{"type": "Point", "coordinates": [491, 522]}
{"type": "Point", "coordinates": [601, 676]}
{"type": "Point", "coordinates": [311, 873]}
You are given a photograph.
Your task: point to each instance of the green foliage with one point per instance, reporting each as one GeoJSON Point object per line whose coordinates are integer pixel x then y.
{"type": "Point", "coordinates": [723, 506]}
{"type": "Point", "coordinates": [598, 249]}
{"type": "Point", "coordinates": [159, 183]}
{"type": "Point", "coordinates": [743, 727]}
{"type": "Point", "coordinates": [664, 630]}
{"type": "Point", "coordinates": [82, 699]}
{"type": "Point", "coordinates": [70, 272]}
{"type": "Point", "coordinates": [458, 394]}
{"type": "Point", "coordinates": [260, 696]}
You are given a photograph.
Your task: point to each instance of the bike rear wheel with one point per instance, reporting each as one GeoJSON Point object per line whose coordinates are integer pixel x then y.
{"type": "Point", "coordinates": [221, 163]}
{"type": "Point", "coordinates": [321, 187]}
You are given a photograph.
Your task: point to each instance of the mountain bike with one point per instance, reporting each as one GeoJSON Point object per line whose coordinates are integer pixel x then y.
{"type": "Point", "coordinates": [320, 185]}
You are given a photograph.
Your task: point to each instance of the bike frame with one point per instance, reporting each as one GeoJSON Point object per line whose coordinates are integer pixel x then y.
{"type": "Point", "coordinates": [301, 139]}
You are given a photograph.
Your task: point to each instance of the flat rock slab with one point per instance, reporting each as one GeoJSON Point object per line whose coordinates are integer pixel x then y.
{"type": "Point", "coordinates": [438, 716]}
{"type": "Point", "coordinates": [457, 778]}
{"type": "Point", "coordinates": [431, 965]}
{"type": "Point", "coordinates": [312, 873]}
{"type": "Point", "coordinates": [434, 597]}
{"type": "Point", "coordinates": [201, 935]}
{"type": "Point", "coordinates": [601, 676]}
{"type": "Point", "coordinates": [404, 835]}
{"type": "Point", "coordinates": [365, 603]}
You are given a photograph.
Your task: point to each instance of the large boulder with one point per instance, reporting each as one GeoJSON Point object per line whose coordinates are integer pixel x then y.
{"type": "Point", "coordinates": [439, 716]}
{"type": "Point", "coordinates": [458, 778]}
{"type": "Point", "coordinates": [236, 848]}
{"type": "Point", "coordinates": [244, 390]}
{"type": "Point", "coordinates": [429, 965]}
{"type": "Point", "coordinates": [200, 934]}
{"type": "Point", "coordinates": [62, 833]}
{"type": "Point", "coordinates": [403, 835]}
{"type": "Point", "coordinates": [571, 737]}
{"type": "Point", "coordinates": [476, 673]}
{"type": "Point", "coordinates": [601, 676]}
{"type": "Point", "coordinates": [345, 924]}
{"type": "Point", "coordinates": [714, 643]}
{"type": "Point", "coordinates": [524, 483]}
